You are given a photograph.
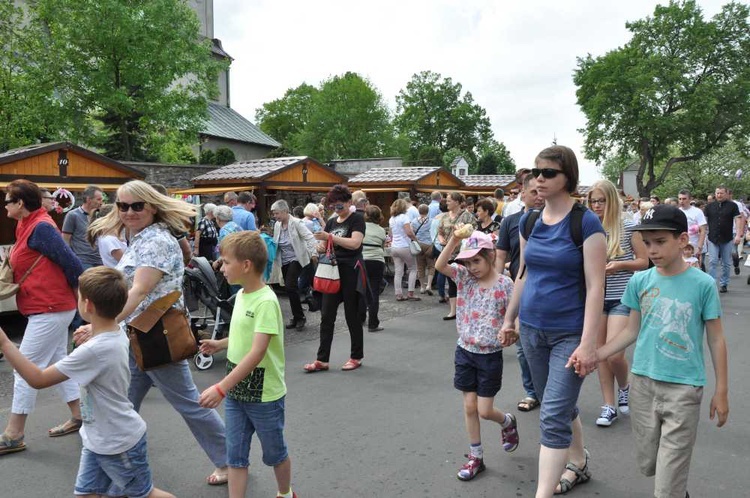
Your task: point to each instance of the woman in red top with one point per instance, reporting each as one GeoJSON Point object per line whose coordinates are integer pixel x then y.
{"type": "Point", "coordinates": [47, 298]}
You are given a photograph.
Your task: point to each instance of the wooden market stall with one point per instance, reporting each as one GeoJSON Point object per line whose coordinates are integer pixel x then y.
{"type": "Point", "coordinates": [299, 179]}
{"type": "Point", "coordinates": [60, 165]}
{"type": "Point", "coordinates": [382, 185]}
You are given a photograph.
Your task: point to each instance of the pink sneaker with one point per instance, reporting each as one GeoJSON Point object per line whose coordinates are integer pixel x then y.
{"type": "Point", "coordinates": [510, 435]}
{"type": "Point", "coordinates": [471, 468]}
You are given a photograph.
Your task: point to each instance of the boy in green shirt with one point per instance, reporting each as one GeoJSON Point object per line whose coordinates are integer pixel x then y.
{"type": "Point", "coordinates": [254, 385]}
{"type": "Point", "coordinates": [670, 305]}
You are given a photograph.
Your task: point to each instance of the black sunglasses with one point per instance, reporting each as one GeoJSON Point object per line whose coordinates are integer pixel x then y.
{"type": "Point", "coordinates": [137, 207]}
{"type": "Point", "coordinates": [547, 173]}
{"type": "Point", "coordinates": [10, 201]}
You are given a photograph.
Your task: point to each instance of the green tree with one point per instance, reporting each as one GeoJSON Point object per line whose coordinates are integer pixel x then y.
{"type": "Point", "coordinates": [285, 118]}
{"type": "Point", "coordinates": [28, 112]}
{"type": "Point", "coordinates": [139, 68]}
{"type": "Point", "coordinates": [435, 114]}
{"type": "Point", "coordinates": [348, 119]}
{"type": "Point", "coordinates": [207, 156]}
{"type": "Point", "coordinates": [497, 159]}
{"type": "Point", "coordinates": [224, 156]}
{"type": "Point", "coordinates": [677, 90]}
{"type": "Point", "coordinates": [614, 166]}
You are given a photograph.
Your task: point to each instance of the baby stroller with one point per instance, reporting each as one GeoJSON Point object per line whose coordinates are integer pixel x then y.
{"type": "Point", "coordinates": [202, 286]}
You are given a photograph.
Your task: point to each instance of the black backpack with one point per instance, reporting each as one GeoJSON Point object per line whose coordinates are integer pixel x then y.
{"type": "Point", "coordinates": [576, 235]}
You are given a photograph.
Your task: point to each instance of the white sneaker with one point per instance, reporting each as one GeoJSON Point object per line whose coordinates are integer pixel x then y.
{"type": "Point", "coordinates": [623, 396]}
{"type": "Point", "coordinates": [608, 415]}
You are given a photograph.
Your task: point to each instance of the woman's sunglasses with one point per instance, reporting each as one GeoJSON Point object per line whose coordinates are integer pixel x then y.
{"type": "Point", "coordinates": [137, 207]}
{"type": "Point", "coordinates": [547, 173]}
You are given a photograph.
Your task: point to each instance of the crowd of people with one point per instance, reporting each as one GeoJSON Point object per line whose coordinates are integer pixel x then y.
{"type": "Point", "coordinates": [619, 271]}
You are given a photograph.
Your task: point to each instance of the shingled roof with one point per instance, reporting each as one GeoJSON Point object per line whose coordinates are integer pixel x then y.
{"type": "Point", "coordinates": [487, 180]}
{"type": "Point", "coordinates": [394, 175]}
{"type": "Point", "coordinates": [225, 122]}
{"type": "Point", "coordinates": [254, 170]}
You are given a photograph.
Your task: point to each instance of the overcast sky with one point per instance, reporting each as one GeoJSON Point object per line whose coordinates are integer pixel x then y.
{"type": "Point", "coordinates": [516, 58]}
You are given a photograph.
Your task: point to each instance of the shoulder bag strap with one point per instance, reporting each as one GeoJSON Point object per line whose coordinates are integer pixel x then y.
{"type": "Point", "coordinates": [28, 272]}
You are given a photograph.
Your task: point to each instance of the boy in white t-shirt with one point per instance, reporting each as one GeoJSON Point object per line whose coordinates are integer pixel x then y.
{"type": "Point", "coordinates": [114, 457]}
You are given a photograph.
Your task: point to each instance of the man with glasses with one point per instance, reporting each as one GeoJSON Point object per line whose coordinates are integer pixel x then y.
{"type": "Point", "coordinates": [48, 201]}
{"type": "Point", "coordinates": [696, 223]}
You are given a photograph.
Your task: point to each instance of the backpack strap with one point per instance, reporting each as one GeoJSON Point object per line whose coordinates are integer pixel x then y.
{"type": "Point", "coordinates": [528, 227]}
{"type": "Point", "coordinates": [576, 234]}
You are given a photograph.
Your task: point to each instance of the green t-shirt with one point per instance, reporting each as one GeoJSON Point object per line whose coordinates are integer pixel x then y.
{"type": "Point", "coordinates": [257, 313]}
{"type": "Point", "coordinates": [673, 315]}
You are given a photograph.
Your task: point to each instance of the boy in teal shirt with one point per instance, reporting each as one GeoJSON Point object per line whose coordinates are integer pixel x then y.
{"type": "Point", "coordinates": [254, 385]}
{"type": "Point", "coordinates": [670, 305]}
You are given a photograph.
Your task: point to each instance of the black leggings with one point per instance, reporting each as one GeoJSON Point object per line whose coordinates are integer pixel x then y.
{"type": "Point", "coordinates": [329, 308]}
{"type": "Point", "coordinates": [452, 289]}
{"type": "Point", "coordinates": [291, 272]}
{"type": "Point", "coordinates": [375, 271]}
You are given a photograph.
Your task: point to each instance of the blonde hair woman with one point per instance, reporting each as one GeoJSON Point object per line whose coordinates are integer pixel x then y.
{"type": "Point", "coordinates": [401, 235]}
{"type": "Point", "coordinates": [626, 254]}
{"type": "Point", "coordinates": [153, 267]}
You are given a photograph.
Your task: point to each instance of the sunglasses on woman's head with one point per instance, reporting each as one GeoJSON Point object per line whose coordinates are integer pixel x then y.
{"type": "Point", "coordinates": [547, 173]}
{"type": "Point", "coordinates": [137, 207]}
{"type": "Point", "coordinates": [336, 207]}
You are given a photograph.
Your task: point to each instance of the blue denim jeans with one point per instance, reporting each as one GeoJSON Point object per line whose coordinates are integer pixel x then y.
{"type": "Point", "coordinates": [721, 252]}
{"type": "Point", "coordinates": [266, 420]}
{"type": "Point", "coordinates": [440, 282]}
{"type": "Point", "coordinates": [528, 384]}
{"type": "Point", "coordinates": [547, 353]}
{"type": "Point", "coordinates": [176, 385]}
{"type": "Point", "coordinates": [123, 474]}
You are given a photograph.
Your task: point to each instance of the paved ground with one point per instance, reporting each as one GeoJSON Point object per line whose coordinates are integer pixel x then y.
{"type": "Point", "coordinates": [394, 427]}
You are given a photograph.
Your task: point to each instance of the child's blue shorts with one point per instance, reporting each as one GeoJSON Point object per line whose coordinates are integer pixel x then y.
{"type": "Point", "coordinates": [124, 474]}
{"type": "Point", "coordinates": [479, 373]}
{"type": "Point", "coordinates": [264, 419]}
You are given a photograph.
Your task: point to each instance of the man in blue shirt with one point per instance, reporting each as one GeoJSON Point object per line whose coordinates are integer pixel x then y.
{"type": "Point", "coordinates": [241, 206]}
{"type": "Point", "coordinates": [434, 207]}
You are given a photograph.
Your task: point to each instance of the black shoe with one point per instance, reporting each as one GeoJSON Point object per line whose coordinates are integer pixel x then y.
{"type": "Point", "coordinates": [736, 270]}
{"type": "Point", "coordinates": [375, 329]}
{"type": "Point", "coordinates": [301, 322]}
{"type": "Point", "coordinates": [723, 289]}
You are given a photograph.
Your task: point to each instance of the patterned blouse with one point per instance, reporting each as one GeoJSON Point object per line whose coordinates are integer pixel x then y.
{"type": "Point", "coordinates": [154, 247]}
{"type": "Point", "coordinates": [480, 312]}
{"type": "Point", "coordinates": [446, 224]}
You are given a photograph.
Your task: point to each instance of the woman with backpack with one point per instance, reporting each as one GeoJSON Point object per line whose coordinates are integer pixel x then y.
{"type": "Point", "coordinates": [558, 298]}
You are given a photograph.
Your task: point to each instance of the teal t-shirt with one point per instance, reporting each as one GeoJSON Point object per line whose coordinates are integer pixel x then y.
{"type": "Point", "coordinates": [673, 315]}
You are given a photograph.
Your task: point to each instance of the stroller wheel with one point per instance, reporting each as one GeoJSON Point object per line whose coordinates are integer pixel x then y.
{"type": "Point", "coordinates": [203, 361]}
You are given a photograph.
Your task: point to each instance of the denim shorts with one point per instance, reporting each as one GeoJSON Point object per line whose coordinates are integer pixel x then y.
{"type": "Point", "coordinates": [615, 307]}
{"type": "Point", "coordinates": [124, 474]}
{"type": "Point", "coordinates": [479, 373]}
{"type": "Point", "coordinates": [264, 419]}
{"type": "Point", "coordinates": [547, 352]}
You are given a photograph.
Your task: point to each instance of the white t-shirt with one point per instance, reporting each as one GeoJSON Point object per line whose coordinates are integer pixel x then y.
{"type": "Point", "coordinates": [107, 244]}
{"type": "Point", "coordinates": [398, 234]}
{"type": "Point", "coordinates": [100, 366]}
{"type": "Point", "coordinates": [413, 213]}
{"type": "Point", "coordinates": [513, 207]}
{"type": "Point", "coordinates": [744, 212]}
{"type": "Point", "coordinates": [695, 219]}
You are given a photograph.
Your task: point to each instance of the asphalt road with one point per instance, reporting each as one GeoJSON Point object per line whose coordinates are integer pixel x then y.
{"type": "Point", "coordinates": [394, 428]}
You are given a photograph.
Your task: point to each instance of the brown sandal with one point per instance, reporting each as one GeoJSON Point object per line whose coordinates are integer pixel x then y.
{"type": "Point", "coordinates": [61, 430]}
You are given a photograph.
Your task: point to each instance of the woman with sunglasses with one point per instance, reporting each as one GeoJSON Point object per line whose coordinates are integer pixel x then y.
{"type": "Point", "coordinates": [559, 322]}
{"type": "Point", "coordinates": [153, 267]}
{"type": "Point", "coordinates": [626, 253]}
{"type": "Point", "coordinates": [47, 270]}
{"type": "Point", "coordinates": [346, 230]}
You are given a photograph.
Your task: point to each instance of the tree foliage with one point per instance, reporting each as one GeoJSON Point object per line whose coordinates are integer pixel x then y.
{"type": "Point", "coordinates": [434, 113]}
{"type": "Point", "coordinates": [495, 159]}
{"type": "Point", "coordinates": [126, 71]}
{"type": "Point", "coordinates": [28, 113]}
{"type": "Point", "coordinates": [286, 117]}
{"type": "Point", "coordinates": [345, 117]}
{"type": "Point", "coordinates": [677, 90]}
